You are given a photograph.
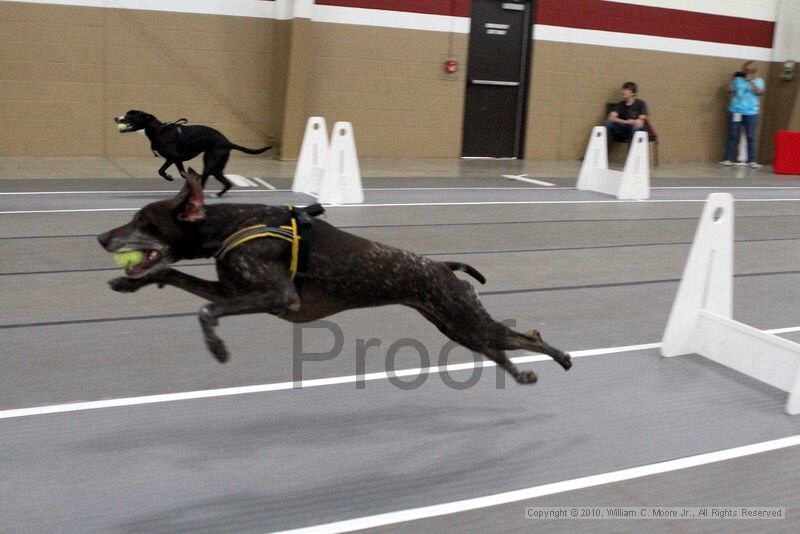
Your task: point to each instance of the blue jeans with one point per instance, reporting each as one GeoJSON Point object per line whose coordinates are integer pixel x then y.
{"type": "Point", "coordinates": [749, 123]}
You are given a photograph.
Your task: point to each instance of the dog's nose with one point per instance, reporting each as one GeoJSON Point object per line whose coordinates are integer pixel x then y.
{"type": "Point", "coordinates": [103, 239]}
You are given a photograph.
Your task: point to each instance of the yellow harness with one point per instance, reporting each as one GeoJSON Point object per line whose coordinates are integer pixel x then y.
{"type": "Point", "coordinates": [287, 232]}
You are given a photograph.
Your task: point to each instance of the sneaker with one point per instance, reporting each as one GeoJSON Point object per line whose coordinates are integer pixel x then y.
{"type": "Point", "coordinates": [726, 163]}
{"type": "Point", "coordinates": [754, 165]}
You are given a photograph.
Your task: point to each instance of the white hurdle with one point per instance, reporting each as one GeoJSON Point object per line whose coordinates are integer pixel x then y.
{"type": "Point", "coordinates": [701, 319]}
{"type": "Point", "coordinates": [633, 183]}
{"type": "Point", "coordinates": [313, 154]}
{"type": "Point", "coordinates": [341, 182]}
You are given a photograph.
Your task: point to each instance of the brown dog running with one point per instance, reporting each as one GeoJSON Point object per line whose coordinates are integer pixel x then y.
{"type": "Point", "coordinates": [263, 268]}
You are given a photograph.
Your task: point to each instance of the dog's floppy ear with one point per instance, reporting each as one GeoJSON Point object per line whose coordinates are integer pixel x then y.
{"type": "Point", "coordinates": [189, 202]}
{"type": "Point", "coordinates": [191, 172]}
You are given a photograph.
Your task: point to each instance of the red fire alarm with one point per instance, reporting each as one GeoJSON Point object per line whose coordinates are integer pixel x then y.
{"type": "Point", "coordinates": [451, 66]}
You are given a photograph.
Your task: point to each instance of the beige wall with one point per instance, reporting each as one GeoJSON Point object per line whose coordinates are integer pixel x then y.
{"type": "Point", "coordinates": [388, 83]}
{"type": "Point", "coordinates": [66, 71]}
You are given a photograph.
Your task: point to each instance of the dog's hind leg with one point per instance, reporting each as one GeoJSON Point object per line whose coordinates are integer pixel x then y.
{"type": "Point", "coordinates": [533, 341]}
{"type": "Point", "coordinates": [163, 170]}
{"type": "Point", "coordinates": [181, 169]}
{"type": "Point", "coordinates": [500, 358]}
{"type": "Point", "coordinates": [454, 307]}
{"type": "Point", "coordinates": [214, 162]}
{"type": "Point", "coordinates": [477, 344]}
{"type": "Point", "coordinates": [226, 184]}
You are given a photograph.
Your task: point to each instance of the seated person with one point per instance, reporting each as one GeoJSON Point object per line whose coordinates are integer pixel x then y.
{"type": "Point", "coordinates": [628, 117]}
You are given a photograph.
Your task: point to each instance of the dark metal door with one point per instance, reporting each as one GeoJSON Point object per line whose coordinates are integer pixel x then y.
{"type": "Point", "coordinates": [499, 50]}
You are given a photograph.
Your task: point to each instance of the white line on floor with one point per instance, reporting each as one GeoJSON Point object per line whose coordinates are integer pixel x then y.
{"type": "Point", "coordinates": [426, 204]}
{"type": "Point", "coordinates": [128, 192]}
{"type": "Point", "coordinates": [157, 191]}
{"type": "Point", "coordinates": [266, 184]}
{"type": "Point", "coordinates": [609, 201]}
{"type": "Point", "coordinates": [283, 386]}
{"type": "Point", "coordinates": [22, 212]}
{"type": "Point", "coordinates": [524, 178]}
{"type": "Point", "coordinates": [534, 492]}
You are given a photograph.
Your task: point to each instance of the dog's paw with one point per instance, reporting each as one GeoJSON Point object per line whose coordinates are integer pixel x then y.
{"type": "Point", "coordinates": [215, 345]}
{"type": "Point", "coordinates": [168, 177]}
{"type": "Point", "coordinates": [218, 349]}
{"type": "Point", "coordinates": [123, 284]}
{"type": "Point", "coordinates": [527, 377]}
{"type": "Point", "coordinates": [565, 361]}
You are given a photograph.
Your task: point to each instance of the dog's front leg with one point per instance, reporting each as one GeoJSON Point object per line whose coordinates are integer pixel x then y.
{"type": "Point", "coordinates": [273, 300]}
{"type": "Point", "coordinates": [163, 170]}
{"type": "Point", "coordinates": [206, 289]}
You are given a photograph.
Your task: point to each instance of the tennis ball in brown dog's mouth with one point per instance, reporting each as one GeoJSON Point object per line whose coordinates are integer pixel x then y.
{"type": "Point", "coordinates": [128, 259]}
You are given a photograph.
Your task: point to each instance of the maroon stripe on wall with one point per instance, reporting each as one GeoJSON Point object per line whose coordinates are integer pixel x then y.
{"type": "Point", "coordinates": [455, 8]}
{"type": "Point", "coordinates": [661, 22]}
{"type": "Point", "coordinates": [606, 16]}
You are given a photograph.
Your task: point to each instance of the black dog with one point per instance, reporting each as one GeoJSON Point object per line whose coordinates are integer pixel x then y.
{"type": "Point", "coordinates": [262, 269]}
{"type": "Point", "coordinates": [177, 142]}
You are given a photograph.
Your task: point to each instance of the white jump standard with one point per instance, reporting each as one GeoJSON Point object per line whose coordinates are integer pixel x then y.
{"type": "Point", "coordinates": [341, 183]}
{"type": "Point", "coordinates": [313, 155]}
{"type": "Point", "coordinates": [701, 319]}
{"type": "Point", "coordinates": [633, 183]}
{"type": "Point", "coordinates": [329, 170]}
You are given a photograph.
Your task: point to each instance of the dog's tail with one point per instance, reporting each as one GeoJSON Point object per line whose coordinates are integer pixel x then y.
{"type": "Point", "coordinates": [463, 267]}
{"type": "Point", "coordinates": [249, 150]}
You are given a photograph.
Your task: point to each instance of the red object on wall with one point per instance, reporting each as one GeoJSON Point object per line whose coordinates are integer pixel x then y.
{"type": "Point", "coordinates": [787, 152]}
{"type": "Point", "coordinates": [451, 66]}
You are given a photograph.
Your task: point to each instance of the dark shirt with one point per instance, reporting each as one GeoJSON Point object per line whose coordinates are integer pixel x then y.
{"type": "Point", "coordinates": [626, 112]}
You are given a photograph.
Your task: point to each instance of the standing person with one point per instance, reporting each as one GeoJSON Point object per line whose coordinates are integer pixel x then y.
{"type": "Point", "coordinates": [628, 117]}
{"type": "Point", "coordinates": [745, 88]}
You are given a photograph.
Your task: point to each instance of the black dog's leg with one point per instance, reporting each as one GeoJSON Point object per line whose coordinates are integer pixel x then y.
{"type": "Point", "coordinates": [214, 162]}
{"type": "Point", "coordinates": [163, 170]}
{"type": "Point", "coordinates": [205, 289]}
{"type": "Point", "coordinates": [181, 169]}
{"type": "Point", "coordinates": [226, 184]}
{"type": "Point", "coordinates": [272, 301]}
